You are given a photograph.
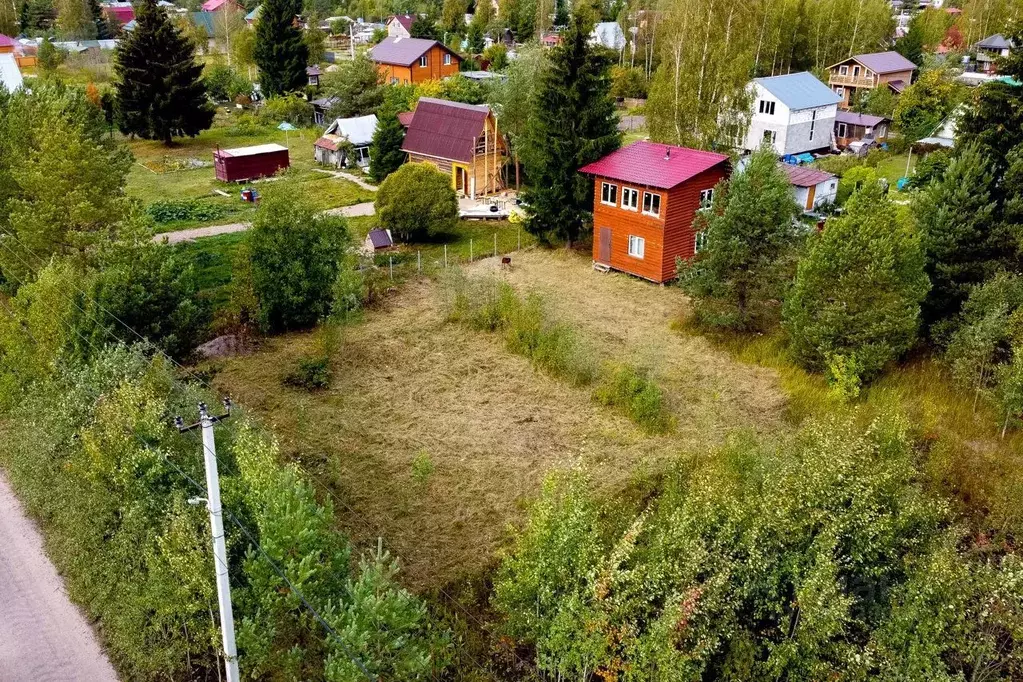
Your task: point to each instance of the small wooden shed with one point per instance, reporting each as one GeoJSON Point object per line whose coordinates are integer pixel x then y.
{"type": "Point", "coordinates": [249, 163]}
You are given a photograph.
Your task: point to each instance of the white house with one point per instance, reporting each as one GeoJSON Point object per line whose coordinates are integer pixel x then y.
{"type": "Point", "coordinates": [399, 25]}
{"type": "Point", "coordinates": [811, 187]}
{"type": "Point", "coordinates": [330, 150]}
{"type": "Point", "coordinates": [795, 113]}
{"type": "Point", "coordinates": [608, 34]}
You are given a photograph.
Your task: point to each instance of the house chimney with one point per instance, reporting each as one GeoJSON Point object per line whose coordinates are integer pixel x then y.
{"type": "Point", "coordinates": [667, 153]}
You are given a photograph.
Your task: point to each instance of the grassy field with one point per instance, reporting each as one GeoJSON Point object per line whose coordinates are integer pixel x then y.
{"type": "Point", "coordinates": [414, 393]}
{"type": "Point", "coordinates": [163, 173]}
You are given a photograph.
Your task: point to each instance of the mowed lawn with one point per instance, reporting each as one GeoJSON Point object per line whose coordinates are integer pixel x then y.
{"type": "Point", "coordinates": [435, 437]}
{"type": "Point", "coordinates": [163, 173]}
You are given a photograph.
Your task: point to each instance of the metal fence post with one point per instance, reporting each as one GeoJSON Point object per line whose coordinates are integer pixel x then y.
{"type": "Point", "coordinates": [470, 250]}
{"type": "Point", "coordinates": [495, 245]}
{"type": "Point", "coordinates": [419, 261]}
{"type": "Point", "coordinates": [390, 266]}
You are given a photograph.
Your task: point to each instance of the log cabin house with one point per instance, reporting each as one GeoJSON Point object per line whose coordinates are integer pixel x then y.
{"type": "Point", "coordinates": [413, 60]}
{"type": "Point", "coordinates": [645, 199]}
{"type": "Point", "coordinates": [869, 71]}
{"type": "Point", "coordinates": [459, 139]}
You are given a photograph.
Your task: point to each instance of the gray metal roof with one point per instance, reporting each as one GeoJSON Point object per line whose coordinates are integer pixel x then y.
{"type": "Point", "coordinates": [799, 90]}
{"type": "Point", "coordinates": [402, 51]}
{"type": "Point", "coordinates": [995, 42]}
{"type": "Point", "coordinates": [885, 62]}
{"type": "Point", "coordinates": [358, 130]}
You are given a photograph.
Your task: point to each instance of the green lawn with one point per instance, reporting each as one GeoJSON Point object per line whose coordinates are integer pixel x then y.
{"type": "Point", "coordinates": [164, 174]}
{"type": "Point", "coordinates": [894, 167]}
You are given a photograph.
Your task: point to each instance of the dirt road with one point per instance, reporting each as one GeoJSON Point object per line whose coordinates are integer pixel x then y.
{"type": "Point", "coordinates": [363, 209]}
{"type": "Point", "coordinates": [43, 636]}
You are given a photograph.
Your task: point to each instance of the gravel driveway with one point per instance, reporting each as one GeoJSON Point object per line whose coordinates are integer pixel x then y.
{"type": "Point", "coordinates": [43, 636]}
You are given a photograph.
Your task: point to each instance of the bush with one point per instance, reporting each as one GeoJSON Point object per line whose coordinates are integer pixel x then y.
{"type": "Point", "coordinates": [631, 391]}
{"type": "Point", "coordinates": [185, 209]}
{"type": "Point", "coordinates": [224, 84]}
{"type": "Point", "coordinates": [291, 108]}
{"type": "Point", "coordinates": [497, 55]}
{"type": "Point", "coordinates": [417, 201]}
{"type": "Point", "coordinates": [310, 373]}
{"type": "Point", "coordinates": [628, 82]}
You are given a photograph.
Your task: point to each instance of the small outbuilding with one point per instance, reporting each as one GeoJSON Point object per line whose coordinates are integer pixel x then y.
{"type": "Point", "coordinates": [811, 187]}
{"type": "Point", "coordinates": [378, 239]}
{"type": "Point", "coordinates": [331, 148]}
{"type": "Point", "coordinates": [852, 128]}
{"type": "Point", "coordinates": [248, 163]}
{"type": "Point", "coordinates": [645, 199]}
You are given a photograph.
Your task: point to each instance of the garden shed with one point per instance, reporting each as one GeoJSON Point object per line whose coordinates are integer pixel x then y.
{"type": "Point", "coordinates": [248, 163]}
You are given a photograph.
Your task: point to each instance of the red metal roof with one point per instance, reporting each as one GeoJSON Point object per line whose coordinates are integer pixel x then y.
{"type": "Point", "coordinates": [405, 20]}
{"type": "Point", "coordinates": [405, 118]}
{"type": "Point", "coordinates": [804, 176]}
{"type": "Point", "coordinates": [325, 143]}
{"type": "Point", "coordinates": [446, 130]}
{"type": "Point", "coordinates": [5, 41]}
{"type": "Point", "coordinates": [654, 165]}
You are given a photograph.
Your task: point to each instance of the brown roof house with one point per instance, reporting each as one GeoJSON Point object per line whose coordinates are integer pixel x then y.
{"type": "Point", "coordinates": [869, 71]}
{"type": "Point", "coordinates": [811, 187]}
{"type": "Point", "coordinates": [413, 60]}
{"type": "Point", "coordinates": [460, 139]}
{"type": "Point", "coordinates": [400, 25]}
{"type": "Point", "coordinates": [857, 132]}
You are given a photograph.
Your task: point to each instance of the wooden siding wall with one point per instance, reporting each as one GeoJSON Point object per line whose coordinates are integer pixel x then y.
{"type": "Point", "coordinates": [443, 165]}
{"type": "Point", "coordinates": [667, 237]}
{"type": "Point", "coordinates": [486, 165]}
{"type": "Point", "coordinates": [435, 68]}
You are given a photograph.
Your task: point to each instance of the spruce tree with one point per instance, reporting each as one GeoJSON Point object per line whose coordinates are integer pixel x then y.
{"type": "Point", "coordinates": [160, 92]}
{"type": "Point", "coordinates": [281, 54]}
{"type": "Point", "coordinates": [102, 27]}
{"type": "Point", "coordinates": [385, 155]}
{"type": "Point", "coordinates": [963, 240]}
{"type": "Point", "coordinates": [423, 27]}
{"type": "Point", "coordinates": [573, 122]}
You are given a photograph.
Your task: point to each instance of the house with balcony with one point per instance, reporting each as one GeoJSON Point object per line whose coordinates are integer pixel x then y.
{"type": "Point", "coordinates": [645, 201]}
{"type": "Point", "coordinates": [990, 50]}
{"type": "Point", "coordinates": [794, 113]}
{"type": "Point", "coordinates": [862, 72]}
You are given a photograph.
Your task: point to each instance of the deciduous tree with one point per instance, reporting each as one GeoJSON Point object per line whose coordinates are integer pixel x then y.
{"type": "Point", "coordinates": [417, 201]}
{"type": "Point", "coordinates": [355, 87]}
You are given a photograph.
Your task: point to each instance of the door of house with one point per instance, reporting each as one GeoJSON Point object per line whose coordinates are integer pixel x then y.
{"type": "Point", "coordinates": [810, 196]}
{"type": "Point", "coordinates": [605, 246]}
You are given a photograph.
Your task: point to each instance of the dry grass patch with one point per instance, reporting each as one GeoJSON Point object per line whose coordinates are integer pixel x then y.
{"type": "Point", "coordinates": [436, 436]}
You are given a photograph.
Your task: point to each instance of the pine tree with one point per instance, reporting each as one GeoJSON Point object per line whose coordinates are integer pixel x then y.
{"type": "Point", "coordinates": [281, 54]}
{"type": "Point", "coordinates": [385, 155]}
{"type": "Point", "coordinates": [858, 289]}
{"type": "Point", "coordinates": [963, 240]}
{"type": "Point", "coordinates": [573, 123]}
{"type": "Point", "coordinates": [422, 27]}
{"type": "Point", "coordinates": [160, 92]}
{"type": "Point", "coordinates": [102, 27]}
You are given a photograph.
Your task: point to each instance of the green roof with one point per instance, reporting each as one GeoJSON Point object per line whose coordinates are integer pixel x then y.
{"type": "Point", "coordinates": [205, 20]}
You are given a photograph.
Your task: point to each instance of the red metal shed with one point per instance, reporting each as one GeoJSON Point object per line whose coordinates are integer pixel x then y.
{"type": "Point", "coordinates": [248, 163]}
{"type": "Point", "coordinates": [646, 197]}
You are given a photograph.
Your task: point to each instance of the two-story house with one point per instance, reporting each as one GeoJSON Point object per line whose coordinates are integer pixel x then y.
{"type": "Point", "coordinates": [413, 60]}
{"type": "Point", "coordinates": [794, 113]}
{"type": "Point", "coordinates": [868, 71]}
{"type": "Point", "coordinates": [989, 50]}
{"type": "Point", "coordinates": [400, 25]}
{"type": "Point", "coordinates": [645, 199]}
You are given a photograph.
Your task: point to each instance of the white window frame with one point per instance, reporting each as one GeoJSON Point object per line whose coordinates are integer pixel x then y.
{"type": "Point", "coordinates": [842, 130]}
{"type": "Point", "coordinates": [423, 61]}
{"type": "Point", "coordinates": [840, 91]}
{"type": "Point", "coordinates": [706, 198]}
{"type": "Point", "coordinates": [628, 192]}
{"type": "Point", "coordinates": [606, 189]}
{"type": "Point", "coordinates": [447, 59]}
{"type": "Point", "coordinates": [654, 198]}
{"type": "Point", "coordinates": [771, 136]}
{"type": "Point", "coordinates": [699, 241]}
{"type": "Point", "coordinates": [767, 107]}
{"type": "Point", "coordinates": [856, 71]}
{"type": "Point", "coordinates": [637, 246]}
{"type": "Point", "coordinates": [843, 70]}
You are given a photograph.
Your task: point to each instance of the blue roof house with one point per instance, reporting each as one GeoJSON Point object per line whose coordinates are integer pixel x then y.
{"type": "Point", "coordinates": [794, 113]}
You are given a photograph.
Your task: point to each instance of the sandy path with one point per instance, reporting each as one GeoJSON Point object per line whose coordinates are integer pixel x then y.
{"type": "Point", "coordinates": [43, 636]}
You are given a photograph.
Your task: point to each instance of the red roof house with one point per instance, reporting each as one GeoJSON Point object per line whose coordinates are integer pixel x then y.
{"type": "Point", "coordinates": [119, 12]}
{"type": "Point", "coordinates": [400, 25]}
{"type": "Point", "coordinates": [811, 187]}
{"type": "Point", "coordinates": [6, 44]}
{"type": "Point", "coordinates": [214, 5]}
{"type": "Point", "coordinates": [645, 199]}
{"type": "Point", "coordinates": [460, 139]}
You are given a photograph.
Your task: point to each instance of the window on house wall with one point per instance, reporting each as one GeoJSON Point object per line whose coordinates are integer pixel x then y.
{"type": "Point", "coordinates": [637, 245]}
{"type": "Point", "coordinates": [841, 130]}
{"type": "Point", "coordinates": [608, 194]}
{"type": "Point", "coordinates": [701, 241]}
{"type": "Point", "coordinates": [422, 60]}
{"type": "Point", "coordinates": [630, 199]}
{"type": "Point", "coordinates": [856, 72]}
{"type": "Point", "coordinates": [651, 203]}
{"type": "Point", "coordinates": [767, 107]}
{"type": "Point", "coordinates": [840, 91]}
{"type": "Point", "coordinates": [394, 80]}
{"type": "Point", "coordinates": [706, 198]}
{"type": "Point", "coordinates": [447, 60]}
{"type": "Point", "coordinates": [813, 122]}
{"type": "Point", "coordinates": [770, 136]}
{"type": "Point", "coordinates": [843, 71]}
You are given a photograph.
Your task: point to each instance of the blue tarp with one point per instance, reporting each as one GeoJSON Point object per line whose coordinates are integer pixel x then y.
{"type": "Point", "coordinates": [804, 158]}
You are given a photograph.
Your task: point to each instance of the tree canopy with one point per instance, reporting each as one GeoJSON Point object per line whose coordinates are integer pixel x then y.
{"type": "Point", "coordinates": [280, 52]}
{"type": "Point", "coordinates": [417, 201]}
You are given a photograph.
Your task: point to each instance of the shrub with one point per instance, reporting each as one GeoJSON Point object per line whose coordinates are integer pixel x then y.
{"type": "Point", "coordinates": [628, 82]}
{"type": "Point", "coordinates": [417, 201]}
{"type": "Point", "coordinates": [185, 209]}
{"type": "Point", "coordinates": [291, 108]}
{"type": "Point", "coordinates": [224, 84]}
{"type": "Point", "coordinates": [310, 373]}
{"type": "Point", "coordinates": [631, 391]}
{"type": "Point", "coordinates": [422, 468]}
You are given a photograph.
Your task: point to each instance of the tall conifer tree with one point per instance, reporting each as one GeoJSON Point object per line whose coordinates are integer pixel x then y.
{"type": "Point", "coordinates": [385, 155]}
{"type": "Point", "coordinates": [160, 92]}
{"type": "Point", "coordinates": [573, 123]}
{"type": "Point", "coordinates": [280, 54]}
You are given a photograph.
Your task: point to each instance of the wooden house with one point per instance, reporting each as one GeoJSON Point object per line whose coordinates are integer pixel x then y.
{"type": "Point", "coordinates": [413, 60]}
{"type": "Point", "coordinates": [852, 129]}
{"type": "Point", "coordinates": [248, 163]}
{"type": "Point", "coordinates": [460, 139]}
{"type": "Point", "coordinates": [645, 199]}
{"type": "Point", "coordinates": [869, 71]}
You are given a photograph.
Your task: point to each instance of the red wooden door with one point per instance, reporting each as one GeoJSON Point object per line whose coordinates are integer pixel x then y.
{"type": "Point", "coordinates": [605, 246]}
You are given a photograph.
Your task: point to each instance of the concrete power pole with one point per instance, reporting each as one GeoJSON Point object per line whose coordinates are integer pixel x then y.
{"type": "Point", "coordinates": [209, 449]}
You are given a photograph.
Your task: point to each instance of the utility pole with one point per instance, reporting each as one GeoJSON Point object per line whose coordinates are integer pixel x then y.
{"type": "Point", "coordinates": [209, 449]}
